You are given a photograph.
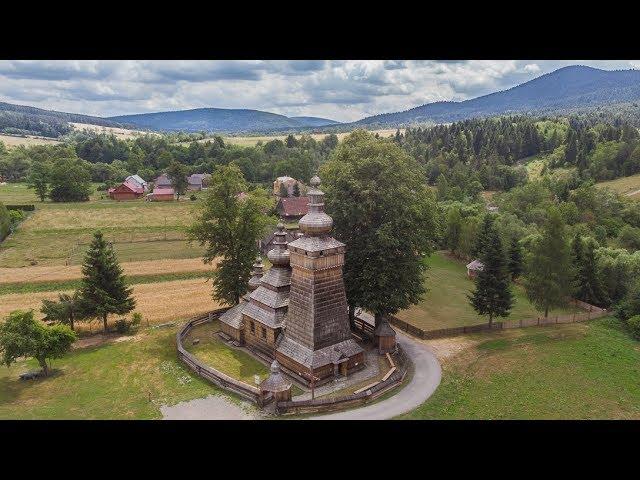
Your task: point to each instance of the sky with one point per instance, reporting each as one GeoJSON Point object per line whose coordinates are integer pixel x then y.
{"type": "Point", "coordinates": [343, 90]}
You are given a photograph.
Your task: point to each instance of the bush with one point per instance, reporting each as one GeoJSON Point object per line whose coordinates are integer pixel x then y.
{"type": "Point", "coordinates": [193, 197]}
{"type": "Point", "coordinates": [629, 237]}
{"type": "Point", "coordinates": [634, 325]}
{"type": "Point", "coordinates": [122, 325]}
{"type": "Point", "coordinates": [15, 217]}
{"type": "Point", "coordinates": [5, 222]}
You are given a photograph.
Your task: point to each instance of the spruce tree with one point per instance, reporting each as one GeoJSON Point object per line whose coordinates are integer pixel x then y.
{"type": "Point", "coordinates": [515, 258]}
{"type": "Point", "coordinates": [492, 295]}
{"type": "Point", "coordinates": [548, 269]}
{"type": "Point", "coordinates": [296, 190]}
{"type": "Point", "coordinates": [483, 236]}
{"type": "Point", "coordinates": [587, 285]}
{"type": "Point", "coordinates": [103, 290]}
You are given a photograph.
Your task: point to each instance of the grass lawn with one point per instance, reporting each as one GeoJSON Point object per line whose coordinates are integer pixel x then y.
{"type": "Point", "coordinates": [445, 304]}
{"type": "Point", "coordinates": [573, 371]}
{"type": "Point", "coordinates": [112, 381]}
{"type": "Point", "coordinates": [625, 186]}
{"type": "Point", "coordinates": [214, 352]}
{"type": "Point", "coordinates": [59, 233]}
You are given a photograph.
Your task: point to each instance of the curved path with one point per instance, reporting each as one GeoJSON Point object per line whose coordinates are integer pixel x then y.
{"type": "Point", "coordinates": [425, 380]}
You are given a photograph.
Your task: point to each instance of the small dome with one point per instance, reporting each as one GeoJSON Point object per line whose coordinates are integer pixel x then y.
{"type": "Point", "coordinates": [275, 382]}
{"type": "Point", "coordinates": [315, 181]}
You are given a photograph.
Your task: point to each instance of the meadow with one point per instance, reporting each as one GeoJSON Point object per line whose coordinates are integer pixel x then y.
{"type": "Point", "coordinates": [250, 141]}
{"type": "Point", "coordinates": [59, 233]}
{"type": "Point", "coordinates": [573, 371]}
{"type": "Point", "coordinates": [445, 304]}
{"type": "Point", "coordinates": [629, 186]}
{"type": "Point", "coordinates": [14, 140]}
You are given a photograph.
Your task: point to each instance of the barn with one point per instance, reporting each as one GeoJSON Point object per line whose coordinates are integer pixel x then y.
{"type": "Point", "coordinates": [292, 208]}
{"type": "Point", "coordinates": [161, 194]}
{"type": "Point", "coordinates": [127, 190]}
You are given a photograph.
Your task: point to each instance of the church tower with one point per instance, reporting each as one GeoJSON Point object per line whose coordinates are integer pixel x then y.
{"type": "Point", "coordinates": [317, 338]}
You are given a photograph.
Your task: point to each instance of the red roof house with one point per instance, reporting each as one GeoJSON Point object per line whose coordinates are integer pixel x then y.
{"type": "Point", "coordinates": [127, 190]}
{"type": "Point", "coordinates": [292, 208]}
{"type": "Point", "coordinates": [161, 194]}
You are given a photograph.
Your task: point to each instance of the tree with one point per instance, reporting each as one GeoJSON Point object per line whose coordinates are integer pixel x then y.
{"type": "Point", "coordinates": [515, 258]}
{"type": "Point", "coordinates": [103, 290]}
{"type": "Point", "coordinates": [587, 285]}
{"type": "Point", "coordinates": [453, 229]}
{"type": "Point", "coordinates": [492, 295]}
{"type": "Point", "coordinates": [548, 272]}
{"type": "Point", "coordinates": [65, 311]}
{"type": "Point", "coordinates": [385, 214]}
{"type": "Point", "coordinates": [229, 227]}
{"type": "Point", "coordinates": [484, 236]}
{"type": "Point", "coordinates": [38, 179]}
{"type": "Point", "coordinates": [23, 336]}
{"type": "Point", "coordinates": [70, 181]}
{"type": "Point", "coordinates": [284, 193]}
{"type": "Point", "coordinates": [296, 190]}
{"type": "Point", "coordinates": [177, 173]}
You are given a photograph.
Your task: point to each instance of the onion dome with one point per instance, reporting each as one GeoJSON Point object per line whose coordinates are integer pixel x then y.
{"type": "Point", "coordinates": [279, 254]}
{"type": "Point", "coordinates": [316, 222]}
{"type": "Point", "coordinates": [275, 382]}
{"type": "Point", "coordinates": [256, 274]}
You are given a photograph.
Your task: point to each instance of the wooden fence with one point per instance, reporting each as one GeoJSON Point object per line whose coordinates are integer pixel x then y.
{"type": "Point", "coordinates": [591, 312]}
{"type": "Point", "coordinates": [401, 362]}
{"type": "Point", "coordinates": [211, 374]}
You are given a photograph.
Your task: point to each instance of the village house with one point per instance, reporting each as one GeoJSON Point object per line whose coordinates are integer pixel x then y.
{"type": "Point", "coordinates": [198, 181]}
{"type": "Point", "coordinates": [474, 267]}
{"type": "Point", "coordinates": [163, 181]}
{"type": "Point", "coordinates": [162, 194]}
{"type": "Point", "coordinates": [127, 190]}
{"type": "Point", "coordinates": [139, 180]}
{"type": "Point", "coordinates": [288, 182]}
{"type": "Point", "coordinates": [292, 208]}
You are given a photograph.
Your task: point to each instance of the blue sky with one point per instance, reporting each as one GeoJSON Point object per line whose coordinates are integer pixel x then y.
{"type": "Point", "coordinates": [343, 90]}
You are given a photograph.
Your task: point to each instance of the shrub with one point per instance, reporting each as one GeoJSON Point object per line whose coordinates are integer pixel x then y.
{"type": "Point", "coordinates": [136, 319]}
{"type": "Point", "coordinates": [634, 325]}
{"type": "Point", "coordinates": [15, 217]}
{"type": "Point", "coordinates": [193, 197]}
{"type": "Point", "coordinates": [5, 222]}
{"type": "Point", "coordinates": [122, 325]}
{"type": "Point", "coordinates": [629, 237]}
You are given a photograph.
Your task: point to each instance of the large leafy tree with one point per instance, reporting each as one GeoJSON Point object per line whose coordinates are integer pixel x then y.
{"type": "Point", "coordinates": [70, 181]}
{"type": "Point", "coordinates": [177, 173]}
{"type": "Point", "coordinates": [385, 214]}
{"type": "Point", "coordinates": [228, 225]}
{"type": "Point", "coordinates": [67, 310]}
{"type": "Point", "coordinates": [453, 233]}
{"type": "Point", "coordinates": [103, 290]}
{"type": "Point", "coordinates": [492, 295]}
{"type": "Point", "coordinates": [38, 179]}
{"type": "Point", "coordinates": [21, 335]}
{"type": "Point", "coordinates": [548, 267]}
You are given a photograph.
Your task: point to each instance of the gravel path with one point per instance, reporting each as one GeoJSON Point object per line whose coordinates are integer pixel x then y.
{"type": "Point", "coordinates": [426, 378]}
{"type": "Point", "coordinates": [213, 407]}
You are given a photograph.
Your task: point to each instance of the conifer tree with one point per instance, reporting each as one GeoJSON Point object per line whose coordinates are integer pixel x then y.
{"type": "Point", "coordinates": [587, 285]}
{"type": "Point", "coordinates": [296, 190]}
{"type": "Point", "coordinates": [483, 236]}
{"type": "Point", "coordinates": [103, 290]}
{"type": "Point", "coordinates": [492, 295]}
{"type": "Point", "coordinates": [515, 258]}
{"type": "Point", "coordinates": [548, 274]}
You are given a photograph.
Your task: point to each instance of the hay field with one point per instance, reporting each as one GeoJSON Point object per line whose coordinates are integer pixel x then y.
{"type": "Point", "coordinates": [157, 302]}
{"type": "Point", "coordinates": [250, 141]}
{"type": "Point", "coordinates": [628, 186]}
{"type": "Point", "coordinates": [72, 272]}
{"type": "Point", "coordinates": [14, 141]}
{"type": "Point", "coordinates": [121, 133]}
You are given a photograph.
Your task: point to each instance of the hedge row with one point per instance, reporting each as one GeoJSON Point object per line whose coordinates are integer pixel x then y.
{"type": "Point", "coordinates": [25, 208]}
{"type": "Point", "coordinates": [5, 222]}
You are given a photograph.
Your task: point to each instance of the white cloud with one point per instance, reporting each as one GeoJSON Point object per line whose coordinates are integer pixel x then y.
{"type": "Point", "coordinates": [342, 90]}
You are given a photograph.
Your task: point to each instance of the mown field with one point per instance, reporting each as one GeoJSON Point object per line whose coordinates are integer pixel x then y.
{"type": "Point", "coordinates": [250, 141]}
{"type": "Point", "coordinates": [130, 379]}
{"type": "Point", "coordinates": [14, 141]}
{"type": "Point", "coordinates": [629, 186]}
{"type": "Point", "coordinates": [445, 304]}
{"type": "Point", "coordinates": [59, 233]}
{"type": "Point", "coordinates": [572, 371]}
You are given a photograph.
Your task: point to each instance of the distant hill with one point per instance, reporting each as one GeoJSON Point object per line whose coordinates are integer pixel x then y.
{"type": "Point", "coordinates": [221, 120]}
{"type": "Point", "coordinates": [22, 119]}
{"type": "Point", "coordinates": [566, 88]}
